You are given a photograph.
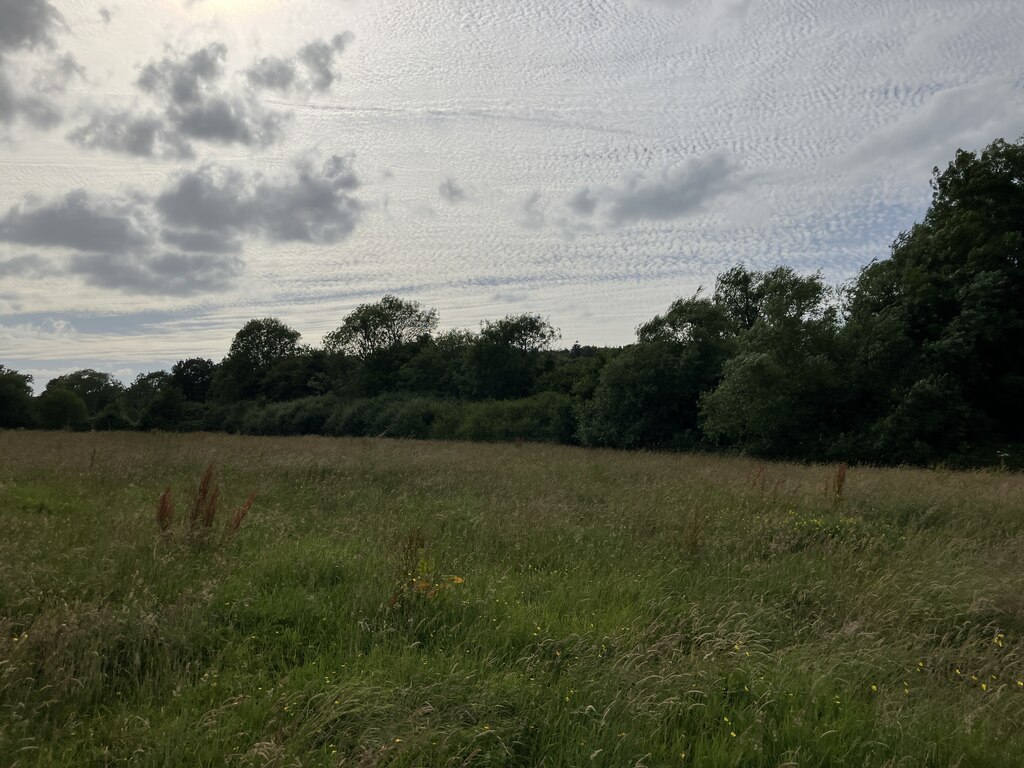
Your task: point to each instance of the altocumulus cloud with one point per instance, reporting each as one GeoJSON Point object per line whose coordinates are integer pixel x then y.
{"type": "Point", "coordinates": [310, 204]}
{"type": "Point", "coordinates": [312, 68]}
{"type": "Point", "coordinates": [24, 26]}
{"type": "Point", "coordinates": [188, 239]}
{"type": "Point", "coordinates": [663, 195]}
{"type": "Point", "coordinates": [192, 104]}
{"type": "Point", "coordinates": [113, 244]}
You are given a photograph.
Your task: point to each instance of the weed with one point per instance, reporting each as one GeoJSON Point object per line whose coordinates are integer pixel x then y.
{"type": "Point", "coordinates": [203, 510]}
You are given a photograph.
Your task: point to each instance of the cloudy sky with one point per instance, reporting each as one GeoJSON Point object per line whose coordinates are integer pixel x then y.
{"type": "Point", "coordinates": [172, 168]}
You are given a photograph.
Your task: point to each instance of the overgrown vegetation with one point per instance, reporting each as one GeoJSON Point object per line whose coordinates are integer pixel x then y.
{"type": "Point", "coordinates": [399, 603]}
{"type": "Point", "coordinates": [918, 360]}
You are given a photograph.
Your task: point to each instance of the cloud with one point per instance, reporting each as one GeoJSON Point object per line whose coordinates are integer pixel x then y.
{"type": "Point", "coordinates": [160, 273]}
{"type": "Point", "coordinates": [273, 73]}
{"type": "Point", "coordinates": [27, 24]}
{"type": "Point", "coordinates": [192, 105]}
{"type": "Point", "coordinates": [141, 135]}
{"type": "Point", "coordinates": [311, 69]}
{"type": "Point", "coordinates": [530, 214]}
{"type": "Point", "coordinates": [968, 116]}
{"type": "Point", "coordinates": [309, 205]}
{"type": "Point", "coordinates": [31, 265]}
{"type": "Point", "coordinates": [669, 194]}
{"type": "Point", "coordinates": [451, 191]}
{"type": "Point", "coordinates": [318, 59]}
{"type": "Point", "coordinates": [79, 221]}
{"type": "Point", "coordinates": [57, 77]}
{"type": "Point", "coordinates": [114, 244]}
{"type": "Point", "coordinates": [185, 80]}
{"type": "Point", "coordinates": [734, 10]}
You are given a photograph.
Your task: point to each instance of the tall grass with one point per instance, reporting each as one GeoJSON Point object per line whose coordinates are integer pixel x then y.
{"type": "Point", "coordinates": [433, 604]}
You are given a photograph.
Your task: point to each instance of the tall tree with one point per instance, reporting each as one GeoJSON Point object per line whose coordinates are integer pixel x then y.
{"type": "Point", "coordinates": [193, 377]}
{"type": "Point", "coordinates": [938, 328]}
{"type": "Point", "coordinates": [16, 408]}
{"type": "Point", "coordinates": [382, 325]}
{"type": "Point", "coordinates": [99, 391]}
{"type": "Point", "coordinates": [255, 349]}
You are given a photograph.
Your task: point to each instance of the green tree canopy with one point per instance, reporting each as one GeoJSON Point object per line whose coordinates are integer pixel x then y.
{"type": "Point", "coordinates": [60, 408]}
{"type": "Point", "coordinates": [15, 398]}
{"type": "Point", "coordinates": [943, 318]}
{"type": "Point", "coordinates": [97, 390]}
{"type": "Point", "coordinates": [382, 325]}
{"type": "Point", "coordinates": [193, 377]}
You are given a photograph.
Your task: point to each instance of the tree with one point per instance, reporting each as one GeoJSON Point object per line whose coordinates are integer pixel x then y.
{"type": "Point", "coordinates": [942, 321]}
{"type": "Point", "coordinates": [641, 400]}
{"type": "Point", "coordinates": [781, 392]}
{"type": "Point", "coordinates": [96, 389]}
{"type": "Point", "coordinates": [255, 349]}
{"type": "Point", "coordinates": [16, 408]}
{"type": "Point", "coordinates": [139, 399]}
{"type": "Point", "coordinates": [61, 408]}
{"type": "Point", "coordinates": [527, 332]}
{"type": "Point", "coordinates": [261, 343]}
{"type": "Point", "coordinates": [384, 325]}
{"type": "Point", "coordinates": [193, 377]}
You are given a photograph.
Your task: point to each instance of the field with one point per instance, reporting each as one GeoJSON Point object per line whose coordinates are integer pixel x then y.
{"type": "Point", "coordinates": [389, 603]}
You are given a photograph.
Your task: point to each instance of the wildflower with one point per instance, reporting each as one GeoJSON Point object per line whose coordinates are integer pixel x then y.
{"type": "Point", "coordinates": [874, 688]}
{"type": "Point", "coordinates": [984, 686]}
{"type": "Point", "coordinates": [733, 734]}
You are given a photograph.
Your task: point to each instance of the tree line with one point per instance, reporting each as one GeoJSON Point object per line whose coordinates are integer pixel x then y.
{"type": "Point", "coordinates": [919, 359]}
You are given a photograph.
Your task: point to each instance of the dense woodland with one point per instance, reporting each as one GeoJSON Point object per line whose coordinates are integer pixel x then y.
{"type": "Point", "coordinates": [919, 359]}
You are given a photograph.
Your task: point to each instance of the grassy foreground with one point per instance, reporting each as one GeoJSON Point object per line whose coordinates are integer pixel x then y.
{"type": "Point", "coordinates": [430, 604]}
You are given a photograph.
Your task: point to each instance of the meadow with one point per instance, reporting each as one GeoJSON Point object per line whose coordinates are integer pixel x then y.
{"type": "Point", "coordinates": [405, 603]}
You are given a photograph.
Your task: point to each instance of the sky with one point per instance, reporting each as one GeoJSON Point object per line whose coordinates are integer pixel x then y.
{"type": "Point", "coordinates": [170, 169]}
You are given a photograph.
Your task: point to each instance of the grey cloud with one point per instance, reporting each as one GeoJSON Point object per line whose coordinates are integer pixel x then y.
{"type": "Point", "coordinates": [194, 107]}
{"type": "Point", "coordinates": [30, 265]}
{"type": "Point", "coordinates": [79, 221]}
{"type": "Point", "coordinates": [309, 206]}
{"type": "Point", "coordinates": [59, 76]}
{"type": "Point", "coordinates": [583, 202]}
{"type": "Point", "coordinates": [185, 81]}
{"type": "Point", "coordinates": [132, 134]}
{"type": "Point", "coordinates": [201, 242]}
{"type": "Point", "coordinates": [26, 23]}
{"type": "Point", "coordinates": [272, 73]}
{"type": "Point", "coordinates": [163, 274]}
{"type": "Point", "coordinates": [530, 215]}
{"type": "Point", "coordinates": [228, 120]}
{"type": "Point", "coordinates": [8, 100]}
{"type": "Point", "coordinates": [665, 195]}
{"type": "Point", "coordinates": [451, 191]}
{"type": "Point", "coordinates": [114, 245]}
{"type": "Point", "coordinates": [39, 111]}
{"type": "Point", "coordinates": [316, 60]}
{"type": "Point", "coordinates": [963, 117]}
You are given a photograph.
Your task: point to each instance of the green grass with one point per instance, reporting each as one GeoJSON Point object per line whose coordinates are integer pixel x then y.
{"type": "Point", "coordinates": [431, 604]}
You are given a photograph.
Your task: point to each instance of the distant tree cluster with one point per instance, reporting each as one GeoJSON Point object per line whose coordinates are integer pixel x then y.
{"type": "Point", "coordinates": [919, 359]}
